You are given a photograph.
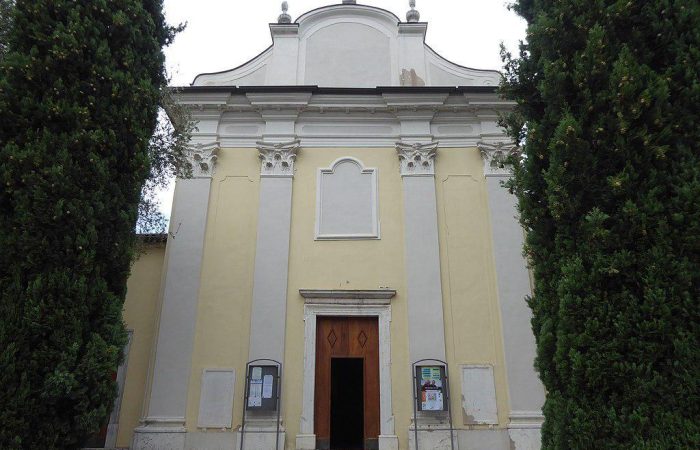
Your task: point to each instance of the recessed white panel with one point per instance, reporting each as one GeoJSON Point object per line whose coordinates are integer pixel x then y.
{"type": "Point", "coordinates": [347, 54]}
{"type": "Point", "coordinates": [479, 395]}
{"type": "Point", "coordinates": [347, 201]}
{"type": "Point", "coordinates": [216, 400]}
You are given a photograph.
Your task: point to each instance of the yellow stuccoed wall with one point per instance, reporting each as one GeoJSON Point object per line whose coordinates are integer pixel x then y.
{"type": "Point", "coordinates": [141, 308]}
{"type": "Point", "coordinates": [472, 321]}
{"type": "Point", "coordinates": [226, 289]}
{"type": "Point", "coordinates": [472, 316]}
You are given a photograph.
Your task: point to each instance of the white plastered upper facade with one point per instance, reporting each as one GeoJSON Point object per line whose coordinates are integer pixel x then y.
{"type": "Point", "coordinates": [363, 46]}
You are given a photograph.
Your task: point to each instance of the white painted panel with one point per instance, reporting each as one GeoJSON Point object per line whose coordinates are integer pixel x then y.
{"type": "Point", "coordinates": [347, 201]}
{"type": "Point", "coordinates": [216, 400]}
{"type": "Point", "coordinates": [357, 55]}
{"type": "Point", "coordinates": [479, 395]}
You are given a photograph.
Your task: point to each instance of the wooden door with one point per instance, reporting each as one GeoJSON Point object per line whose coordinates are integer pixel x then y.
{"type": "Point", "coordinates": [343, 337]}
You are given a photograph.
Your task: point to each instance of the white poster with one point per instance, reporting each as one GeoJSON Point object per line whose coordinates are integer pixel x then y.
{"type": "Point", "coordinates": [255, 393]}
{"type": "Point", "coordinates": [432, 401]}
{"type": "Point", "coordinates": [267, 386]}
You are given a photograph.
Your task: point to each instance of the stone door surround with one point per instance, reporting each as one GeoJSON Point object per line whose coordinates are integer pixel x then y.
{"type": "Point", "coordinates": [373, 303]}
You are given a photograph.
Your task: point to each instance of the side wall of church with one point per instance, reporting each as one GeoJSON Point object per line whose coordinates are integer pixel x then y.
{"type": "Point", "coordinates": [141, 310]}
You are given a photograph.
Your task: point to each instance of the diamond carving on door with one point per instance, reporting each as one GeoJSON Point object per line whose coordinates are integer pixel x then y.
{"type": "Point", "coordinates": [332, 338]}
{"type": "Point", "coordinates": [362, 339]}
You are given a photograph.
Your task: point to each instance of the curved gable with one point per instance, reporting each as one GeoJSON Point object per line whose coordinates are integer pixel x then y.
{"type": "Point", "coordinates": [349, 45]}
{"type": "Point", "coordinates": [442, 72]}
{"type": "Point", "coordinates": [251, 73]}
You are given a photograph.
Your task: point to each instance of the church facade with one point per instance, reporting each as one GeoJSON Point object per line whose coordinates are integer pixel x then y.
{"type": "Point", "coordinates": [344, 268]}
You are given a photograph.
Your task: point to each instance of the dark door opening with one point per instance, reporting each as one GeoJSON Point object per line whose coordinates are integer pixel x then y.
{"type": "Point", "coordinates": [347, 403]}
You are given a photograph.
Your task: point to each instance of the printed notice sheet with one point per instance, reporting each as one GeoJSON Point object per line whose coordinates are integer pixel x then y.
{"type": "Point", "coordinates": [267, 386]}
{"type": "Point", "coordinates": [256, 387]}
{"type": "Point", "coordinates": [255, 393]}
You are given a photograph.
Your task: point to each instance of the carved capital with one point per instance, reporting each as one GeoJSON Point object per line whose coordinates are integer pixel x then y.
{"type": "Point", "coordinates": [496, 156]}
{"type": "Point", "coordinates": [203, 159]}
{"type": "Point", "coordinates": [417, 159]}
{"type": "Point", "coordinates": [278, 159]}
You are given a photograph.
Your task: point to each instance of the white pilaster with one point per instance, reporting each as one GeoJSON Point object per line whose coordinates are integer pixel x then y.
{"type": "Point", "coordinates": [269, 309]}
{"type": "Point", "coordinates": [525, 390]}
{"type": "Point", "coordinates": [426, 337]}
{"type": "Point", "coordinates": [164, 424]}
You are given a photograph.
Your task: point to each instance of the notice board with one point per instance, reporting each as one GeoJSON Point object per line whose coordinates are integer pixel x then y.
{"type": "Point", "coordinates": [262, 388]}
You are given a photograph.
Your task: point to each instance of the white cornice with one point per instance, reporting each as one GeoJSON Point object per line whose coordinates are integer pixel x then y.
{"type": "Point", "coordinates": [417, 28]}
{"type": "Point", "coordinates": [415, 99]}
{"type": "Point", "coordinates": [338, 120]}
{"type": "Point", "coordinates": [284, 29]}
{"type": "Point", "coordinates": [202, 99]}
{"type": "Point", "coordinates": [277, 100]}
{"type": "Point", "coordinates": [486, 105]}
{"type": "Point", "coordinates": [316, 295]}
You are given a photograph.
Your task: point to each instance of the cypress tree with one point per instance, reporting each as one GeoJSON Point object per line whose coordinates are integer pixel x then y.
{"type": "Point", "coordinates": [79, 94]}
{"type": "Point", "coordinates": [5, 24]}
{"type": "Point", "coordinates": [608, 115]}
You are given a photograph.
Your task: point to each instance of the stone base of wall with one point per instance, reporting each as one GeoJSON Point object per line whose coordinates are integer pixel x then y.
{"type": "Point", "coordinates": [525, 438]}
{"type": "Point", "coordinates": [154, 438]}
{"type": "Point", "coordinates": [260, 439]}
{"type": "Point", "coordinates": [209, 440]}
{"type": "Point", "coordinates": [437, 438]}
{"type": "Point", "coordinates": [430, 437]}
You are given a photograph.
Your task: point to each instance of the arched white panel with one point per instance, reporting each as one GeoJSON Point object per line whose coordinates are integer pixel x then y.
{"type": "Point", "coordinates": [346, 201]}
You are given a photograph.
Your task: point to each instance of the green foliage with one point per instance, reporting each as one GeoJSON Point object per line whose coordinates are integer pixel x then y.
{"type": "Point", "coordinates": [80, 87]}
{"type": "Point", "coordinates": [168, 152]}
{"type": "Point", "coordinates": [6, 7]}
{"type": "Point", "coordinates": [608, 96]}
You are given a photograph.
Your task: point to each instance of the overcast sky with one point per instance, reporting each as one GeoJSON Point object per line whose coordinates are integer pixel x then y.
{"type": "Point", "coordinates": [222, 34]}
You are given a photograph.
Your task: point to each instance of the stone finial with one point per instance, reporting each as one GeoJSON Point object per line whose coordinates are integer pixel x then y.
{"type": "Point", "coordinates": [413, 15]}
{"type": "Point", "coordinates": [417, 159]}
{"type": "Point", "coordinates": [284, 17]}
